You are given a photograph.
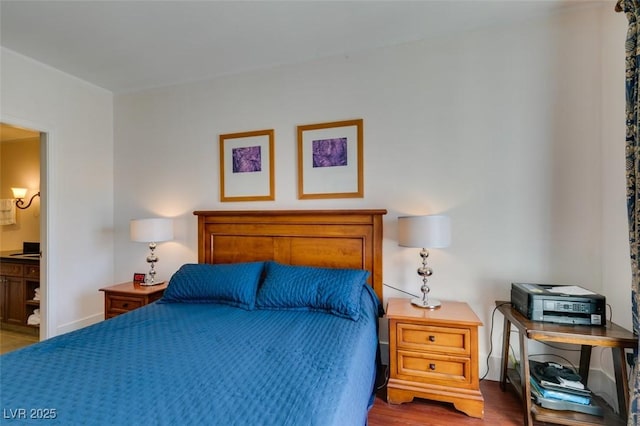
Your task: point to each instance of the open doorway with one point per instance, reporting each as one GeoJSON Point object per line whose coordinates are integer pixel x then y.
{"type": "Point", "coordinates": [21, 220]}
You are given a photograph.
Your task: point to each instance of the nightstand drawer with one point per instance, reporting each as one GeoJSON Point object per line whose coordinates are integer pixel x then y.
{"type": "Point", "coordinates": [448, 340]}
{"type": "Point", "coordinates": [125, 297]}
{"type": "Point", "coordinates": [433, 368]}
{"type": "Point", "coordinates": [120, 304]}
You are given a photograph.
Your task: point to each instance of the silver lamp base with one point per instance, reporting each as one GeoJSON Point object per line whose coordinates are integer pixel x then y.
{"type": "Point", "coordinates": [427, 304]}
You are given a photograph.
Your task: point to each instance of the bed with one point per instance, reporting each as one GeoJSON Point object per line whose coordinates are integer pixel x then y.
{"type": "Point", "coordinates": [275, 325]}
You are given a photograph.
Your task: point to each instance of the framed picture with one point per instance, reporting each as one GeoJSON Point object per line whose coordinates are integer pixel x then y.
{"type": "Point", "coordinates": [246, 166]}
{"type": "Point", "coordinates": [330, 160]}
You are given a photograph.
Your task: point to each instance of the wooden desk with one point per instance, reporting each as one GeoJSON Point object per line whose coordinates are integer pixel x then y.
{"type": "Point", "coordinates": [612, 336]}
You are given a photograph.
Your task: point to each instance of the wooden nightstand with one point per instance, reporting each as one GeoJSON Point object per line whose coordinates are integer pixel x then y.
{"type": "Point", "coordinates": [434, 355]}
{"type": "Point", "coordinates": [125, 297]}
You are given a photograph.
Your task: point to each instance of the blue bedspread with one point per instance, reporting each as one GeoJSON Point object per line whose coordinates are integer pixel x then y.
{"type": "Point", "coordinates": [198, 364]}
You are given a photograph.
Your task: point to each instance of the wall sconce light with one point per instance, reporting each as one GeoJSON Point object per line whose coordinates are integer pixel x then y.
{"type": "Point", "coordinates": [19, 194]}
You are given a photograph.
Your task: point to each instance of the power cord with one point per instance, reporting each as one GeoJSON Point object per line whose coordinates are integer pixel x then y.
{"type": "Point", "coordinates": [401, 291]}
{"type": "Point", "coordinates": [493, 314]}
{"type": "Point", "coordinates": [386, 379]}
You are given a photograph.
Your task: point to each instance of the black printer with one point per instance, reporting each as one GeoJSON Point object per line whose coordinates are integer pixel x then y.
{"type": "Point", "coordinates": [562, 304]}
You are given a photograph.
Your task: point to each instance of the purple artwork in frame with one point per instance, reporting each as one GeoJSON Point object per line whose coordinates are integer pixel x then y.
{"type": "Point", "coordinates": [329, 152]}
{"type": "Point", "coordinates": [246, 159]}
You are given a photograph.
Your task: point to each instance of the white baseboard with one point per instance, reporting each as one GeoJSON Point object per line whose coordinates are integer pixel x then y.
{"type": "Point", "coordinates": [81, 323]}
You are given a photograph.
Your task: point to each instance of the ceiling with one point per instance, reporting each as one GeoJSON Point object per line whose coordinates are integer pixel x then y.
{"type": "Point", "coordinates": [126, 46]}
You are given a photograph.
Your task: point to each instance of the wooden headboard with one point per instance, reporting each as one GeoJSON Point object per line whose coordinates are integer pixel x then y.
{"type": "Point", "coordinates": [329, 238]}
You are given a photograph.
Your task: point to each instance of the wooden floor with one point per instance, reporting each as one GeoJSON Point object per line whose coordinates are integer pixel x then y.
{"type": "Point", "coordinates": [500, 409]}
{"type": "Point", "coordinates": [12, 340]}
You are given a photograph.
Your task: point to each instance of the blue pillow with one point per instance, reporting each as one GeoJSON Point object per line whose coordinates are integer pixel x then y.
{"type": "Point", "coordinates": [309, 288]}
{"type": "Point", "coordinates": [233, 284]}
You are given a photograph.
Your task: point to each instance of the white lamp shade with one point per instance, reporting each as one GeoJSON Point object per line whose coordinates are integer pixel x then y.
{"type": "Point", "coordinates": [432, 231]}
{"type": "Point", "coordinates": [151, 230]}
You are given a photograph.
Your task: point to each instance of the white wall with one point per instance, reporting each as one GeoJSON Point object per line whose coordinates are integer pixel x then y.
{"type": "Point", "coordinates": [616, 264]}
{"type": "Point", "coordinates": [503, 129]}
{"type": "Point", "coordinates": [77, 187]}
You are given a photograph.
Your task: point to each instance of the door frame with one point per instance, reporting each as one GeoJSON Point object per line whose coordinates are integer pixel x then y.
{"type": "Point", "coordinates": [47, 316]}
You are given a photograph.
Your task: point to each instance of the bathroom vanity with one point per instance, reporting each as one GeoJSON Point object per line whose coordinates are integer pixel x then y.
{"type": "Point", "coordinates": [19, 279]}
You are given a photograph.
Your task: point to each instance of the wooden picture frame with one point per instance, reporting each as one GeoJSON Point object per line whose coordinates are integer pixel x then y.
{"type": "Point", "coordinates": [247, 166]}
{"type": "Point", "coordinates": [330, 161]}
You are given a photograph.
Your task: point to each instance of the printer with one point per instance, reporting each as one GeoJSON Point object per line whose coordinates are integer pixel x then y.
{"type": "Point", "coordinates": [562, 304]}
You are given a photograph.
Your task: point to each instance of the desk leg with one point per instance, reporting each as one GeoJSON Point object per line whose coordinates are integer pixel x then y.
{"type": "Point", "coordinates": [506, 337]}
{"type": "Point", "coordinates": [585, 361]}
{"type": "Point", "coordinates": [524, 376]}
{"type": "Point", "coordinates": [622, 383]}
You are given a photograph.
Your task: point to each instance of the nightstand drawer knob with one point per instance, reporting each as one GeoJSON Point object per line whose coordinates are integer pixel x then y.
{"type": "Point", "coordinates": [432, 338]}
{"type": "Point", "coordinates": [125, 305]}
{"type": "Point", "coordinates": [432, 366]}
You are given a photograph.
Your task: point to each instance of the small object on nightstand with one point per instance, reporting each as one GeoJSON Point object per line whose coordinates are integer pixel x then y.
{"type": "Point", "coordinates": [433, 354]}
{"type": "Point", "coordinates": [125, 297]}
{"type": "Point", "coordinates": [139, 278]}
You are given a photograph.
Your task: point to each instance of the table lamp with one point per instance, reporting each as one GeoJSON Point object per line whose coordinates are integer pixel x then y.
{"type": "Point", "coordinates": [431, 231]}
{"type": "Point", "coordinates": [152, 231]}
